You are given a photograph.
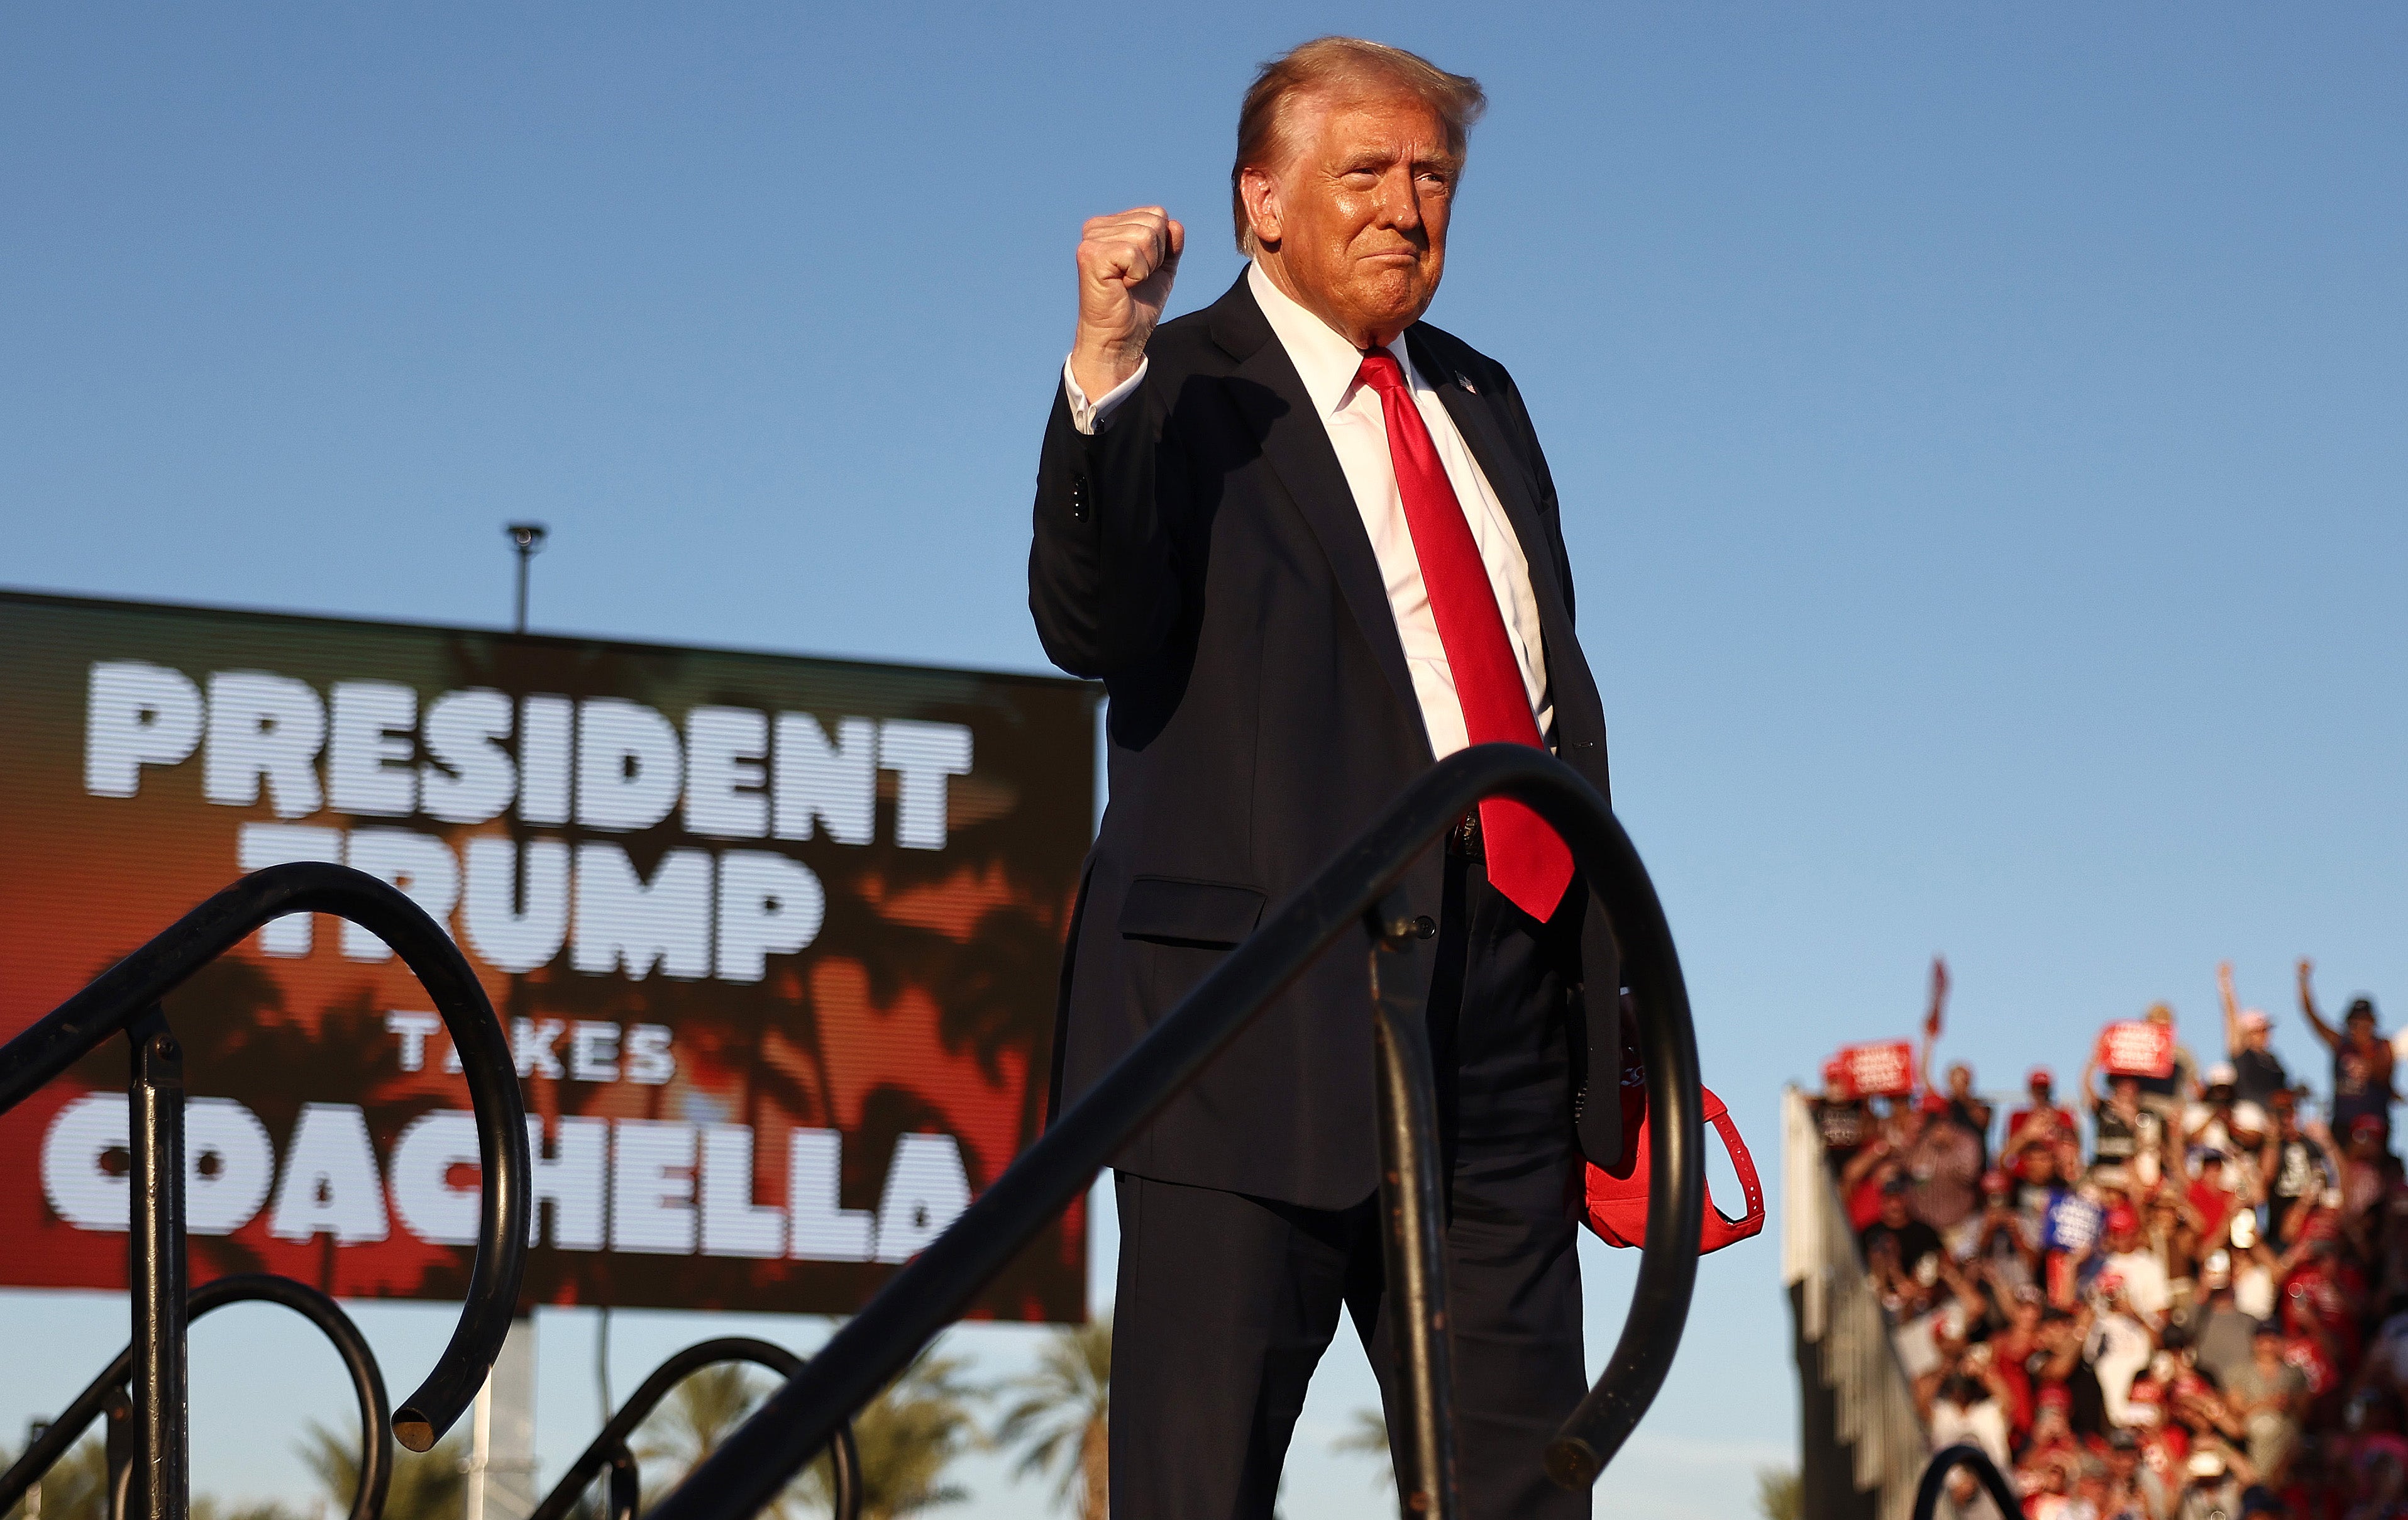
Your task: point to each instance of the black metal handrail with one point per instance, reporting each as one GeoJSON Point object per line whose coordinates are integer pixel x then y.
{"type": "Point", "coordinates": [1975, 1460]}
{"type": "Point", "coordinates": [126, 997]}
{"type": "Point", "coordinates": [935, 1287]}
{"type": "Point", "coordinates": [609, 1451]}
{"type": "Point", "coordinates": [107, 1390]}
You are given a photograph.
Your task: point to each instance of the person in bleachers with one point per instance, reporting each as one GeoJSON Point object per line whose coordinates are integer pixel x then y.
{"type": "Point", "coordinates": [1846, 1121]}
{"type": "Point", "coordinates": [2222, 1120]}
{"type": "Point", "coordinates": [1958, 1103]}
{"type": "Point", "coordinates": [1971, 1404]}
{"type": "Point", "coordinates": [2256, 1272]}
{"type": "Point", "coordinates": [2140, 1270]}
{"type": "Point", "coordinates": [2215, 1478]}
{"type": "Point", "coordinates": [2294, 1168]}
{"type": "Point", "coordinates": [2005, 1241]}
{"type": "Point", "coordinates": [1912, 1239]}
{"type": "Point", "coordinates": [1867, 1176]}
{"type": "Point", "coordinates": [2133, 1491]}
{"type": "Point", "coordinates": [2248, 1042]}
{"type": "Point", "coordinates": [2212, 1202]}
{"type": "Point", "coordinates": [2221, 1334]}
{"type": "Point", "coordinates": [2041, 1123]}
{"type": "Point", "coordinates": [2361, 1059]}
{"type": "Point", "coordinates": [2118, 1347]}
{"type": "Point", "coordinates": [2270, 1396]}
{"type": "Point", "coordinates": [1943, 1165]}
{"type": "Point", "coordinates": [2366, 1172]}
{"type": "Point", "coordinates": [2125, 1136]}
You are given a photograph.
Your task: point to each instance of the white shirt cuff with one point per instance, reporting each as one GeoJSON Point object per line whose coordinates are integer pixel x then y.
{"type": "Point", "coordinates": [1087, 416]}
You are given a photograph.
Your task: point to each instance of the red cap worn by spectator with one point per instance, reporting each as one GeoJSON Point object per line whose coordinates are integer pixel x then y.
{"type": "Point", "coordinates": [2121, 1218]}
{"type": "Point", "coordinates": [1934, 1103]}
{"type": "Point", "coordinates": [2039, 1078]}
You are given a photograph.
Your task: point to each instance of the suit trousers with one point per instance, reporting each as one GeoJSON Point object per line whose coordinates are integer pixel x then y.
{"type": "Point", "coordinates": [1227, 1301]}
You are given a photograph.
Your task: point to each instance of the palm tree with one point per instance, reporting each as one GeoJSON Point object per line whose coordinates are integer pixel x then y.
{"type": "Point", "coordinates": [76, 1485]}
{"type": "Point", "coordinates": [1368, 1437]}
{"type": "Point", "coordinates": [1778, 1493]}
{"type": "Point", "coordinates": [907, 1436]}
{"type": "Point", "coordinates": [698, 1415]}
{"type": "Point", "coordinates": [426, 1485]}
{"type": "Point", "coordinates": [1064, 1417]}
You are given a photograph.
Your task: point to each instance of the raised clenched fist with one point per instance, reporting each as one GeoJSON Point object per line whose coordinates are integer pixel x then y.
{"type": "Point", "coordinates": [1127, 262]}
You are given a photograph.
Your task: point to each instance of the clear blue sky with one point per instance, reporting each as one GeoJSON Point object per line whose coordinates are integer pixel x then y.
{"type": "Point", "coordinates": [1981, 430]}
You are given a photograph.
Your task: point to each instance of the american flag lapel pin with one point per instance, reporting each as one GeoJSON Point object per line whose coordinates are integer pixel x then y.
{"type": "Point", "coordinates": [1465, 380]}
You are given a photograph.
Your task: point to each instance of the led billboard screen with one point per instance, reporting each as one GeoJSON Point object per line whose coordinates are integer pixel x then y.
{"type": "Point", "coordinates": [776, 939]}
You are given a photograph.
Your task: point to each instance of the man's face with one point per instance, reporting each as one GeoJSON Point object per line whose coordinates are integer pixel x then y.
{"type": "Point", "coordinates": [1358, 215]}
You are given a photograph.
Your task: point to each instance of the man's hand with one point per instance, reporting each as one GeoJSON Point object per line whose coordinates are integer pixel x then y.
{"type": "Point", "coordinates": [1126, 265]}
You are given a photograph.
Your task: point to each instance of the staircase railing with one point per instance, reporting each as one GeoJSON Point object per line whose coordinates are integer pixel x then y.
{"type": "Point", "coordinates": [105, 1396]}
{"type": "Point", "coordinates": [931, 1291]}
{"type": "Point", "coordinates": [610, 1453]}
{"type": "Point", "coordinates": [126, 997]}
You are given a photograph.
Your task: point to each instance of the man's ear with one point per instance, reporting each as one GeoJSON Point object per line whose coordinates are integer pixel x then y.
{"type": "Point", "coordinates": [1260, 193]}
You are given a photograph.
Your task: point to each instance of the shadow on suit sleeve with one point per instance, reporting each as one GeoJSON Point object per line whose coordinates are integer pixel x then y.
{"type": "Point", "coordinates": [1103, 577]}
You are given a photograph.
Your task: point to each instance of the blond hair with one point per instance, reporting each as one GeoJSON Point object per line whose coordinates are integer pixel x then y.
{"type": "Point", "coordinates": [1347, 67]}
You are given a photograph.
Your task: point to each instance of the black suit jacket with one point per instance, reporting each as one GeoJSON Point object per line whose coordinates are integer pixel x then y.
{"type": "Point", "coordinates": [1203, 555]}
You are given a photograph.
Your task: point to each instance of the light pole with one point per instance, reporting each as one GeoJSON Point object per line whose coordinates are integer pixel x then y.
{"type": "Point", "coordinates": [527, 537]}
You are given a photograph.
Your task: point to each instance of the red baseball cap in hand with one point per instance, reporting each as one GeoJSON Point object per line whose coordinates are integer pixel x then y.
{"type": "Point", "coordinates": [1617, 1206]}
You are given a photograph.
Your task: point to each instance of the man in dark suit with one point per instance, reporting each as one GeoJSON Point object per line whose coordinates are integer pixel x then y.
{"type": "Point", "coordinates": [1311, 545]}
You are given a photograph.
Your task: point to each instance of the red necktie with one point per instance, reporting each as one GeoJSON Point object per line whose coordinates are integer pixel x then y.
{"type": "Point", "coordinates": [1527, 862]}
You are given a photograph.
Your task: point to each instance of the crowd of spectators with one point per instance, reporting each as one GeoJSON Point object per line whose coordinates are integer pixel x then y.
{"type": "Point", "coordinates": [2202, 1312]}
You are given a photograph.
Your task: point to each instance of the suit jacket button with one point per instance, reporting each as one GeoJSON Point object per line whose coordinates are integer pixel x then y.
{"type": "Point", "coordinates": [1426, 927]}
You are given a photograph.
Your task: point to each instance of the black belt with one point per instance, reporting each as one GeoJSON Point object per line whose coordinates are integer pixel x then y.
{"type": "Point", "coordinates": [1463, 841]}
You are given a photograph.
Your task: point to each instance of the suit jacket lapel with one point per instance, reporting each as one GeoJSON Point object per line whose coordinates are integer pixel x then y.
{"type": "Point", "coordinates": [1272, 398]}
{"type": "Point", "coordinates": [1475, 418]}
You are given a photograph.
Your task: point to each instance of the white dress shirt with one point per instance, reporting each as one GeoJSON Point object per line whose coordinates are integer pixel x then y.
{"type": "Point", "coordinates": [1358, 431]}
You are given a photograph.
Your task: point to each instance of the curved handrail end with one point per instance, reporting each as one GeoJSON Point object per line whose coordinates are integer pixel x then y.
{"type": "Point", "coordinates": [1570, 1463]}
